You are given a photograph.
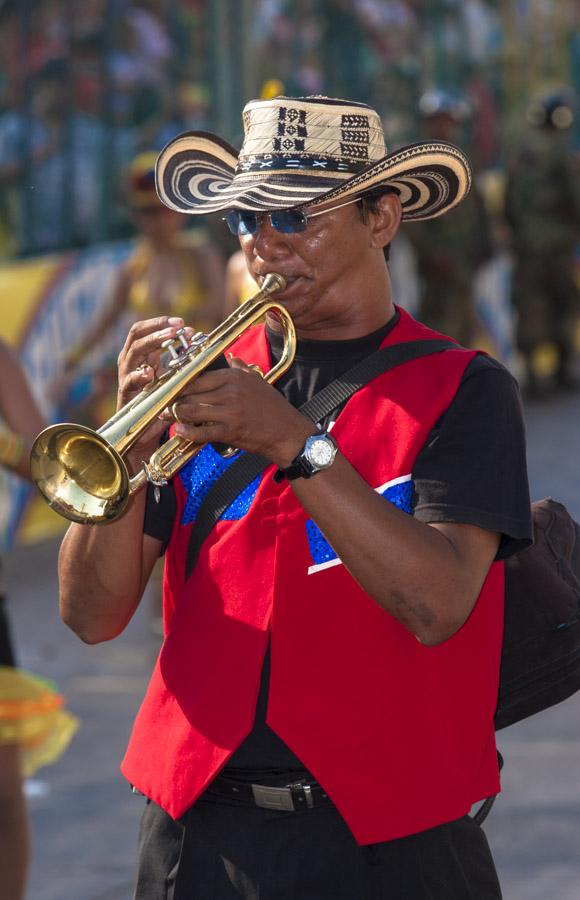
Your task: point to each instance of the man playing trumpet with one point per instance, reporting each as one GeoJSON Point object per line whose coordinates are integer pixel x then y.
{"type": "Point", "coordinates": [320, 718]}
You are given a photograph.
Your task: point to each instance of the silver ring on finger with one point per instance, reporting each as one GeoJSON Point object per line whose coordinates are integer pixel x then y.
{"type": "Point", "coordinates": [176, 415]}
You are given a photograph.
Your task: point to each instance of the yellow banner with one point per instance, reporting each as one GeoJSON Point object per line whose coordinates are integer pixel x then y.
{"type": "Point", "coordinates": [46, 305]}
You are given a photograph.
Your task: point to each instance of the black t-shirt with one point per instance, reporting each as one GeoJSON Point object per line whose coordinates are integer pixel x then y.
{"type": "Point", "coordinates": [472, 470]}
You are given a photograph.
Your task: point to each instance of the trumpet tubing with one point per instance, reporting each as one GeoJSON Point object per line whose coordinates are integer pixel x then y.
{"type": "Point", "coordinates": [81, 473]}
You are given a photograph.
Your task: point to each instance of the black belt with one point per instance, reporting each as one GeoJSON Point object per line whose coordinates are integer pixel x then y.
{"type": "Point", "coordinates": [290, 798]}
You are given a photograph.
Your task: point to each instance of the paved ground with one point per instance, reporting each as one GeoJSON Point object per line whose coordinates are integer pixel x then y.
{"type": "Point", "coordinates": [85, 818]}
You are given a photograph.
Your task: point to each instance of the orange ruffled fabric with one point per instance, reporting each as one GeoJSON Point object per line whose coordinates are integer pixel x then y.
{"type": "Point", "coordinates": [32, 715]}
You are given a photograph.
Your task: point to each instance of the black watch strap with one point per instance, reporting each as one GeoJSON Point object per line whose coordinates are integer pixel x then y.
{"type": "Point", "coordinates": [298, 468]}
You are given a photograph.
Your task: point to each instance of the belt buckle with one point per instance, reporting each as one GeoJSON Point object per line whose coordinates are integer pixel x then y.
{"type": "Point", "coordinates": [273, 797]}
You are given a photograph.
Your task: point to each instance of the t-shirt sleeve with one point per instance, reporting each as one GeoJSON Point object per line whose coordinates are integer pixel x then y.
{"type": "Point", "coordinates": [160, 512]}
{"type": "Point", "coordinates": [473, 468]}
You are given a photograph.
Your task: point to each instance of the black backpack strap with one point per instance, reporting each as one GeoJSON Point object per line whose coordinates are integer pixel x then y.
{"type": "Point", "coordinates": [248, 465]}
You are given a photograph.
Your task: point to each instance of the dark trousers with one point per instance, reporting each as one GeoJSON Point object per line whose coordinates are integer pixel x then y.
{"type": "Point", "coordinates": [222, 851]}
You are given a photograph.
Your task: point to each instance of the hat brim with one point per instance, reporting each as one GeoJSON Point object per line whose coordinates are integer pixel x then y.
{"type": "Point", "coordinates": [196, 173]}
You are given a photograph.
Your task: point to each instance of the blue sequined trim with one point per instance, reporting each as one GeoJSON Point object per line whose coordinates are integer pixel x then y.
{"type": "Point", "coordinates": [320, 549]}
{"type": "Point", "coordinates": [400, 495]}
{"type": "Point", "coordinates": [240, 506]}
{"type": "Point", "coordinates": [199, 475]}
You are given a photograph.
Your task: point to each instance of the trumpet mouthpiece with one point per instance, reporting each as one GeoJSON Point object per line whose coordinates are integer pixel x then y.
{"type": "Point", "coordinates": [273, 282]}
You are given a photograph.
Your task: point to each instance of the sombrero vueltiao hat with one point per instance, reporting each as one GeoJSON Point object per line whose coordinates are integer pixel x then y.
{"type": "Point", "coordinates": [308, 150]}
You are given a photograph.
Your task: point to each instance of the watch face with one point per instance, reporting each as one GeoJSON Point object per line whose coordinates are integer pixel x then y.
{"type": "Point", "coordinates": [321, 452]}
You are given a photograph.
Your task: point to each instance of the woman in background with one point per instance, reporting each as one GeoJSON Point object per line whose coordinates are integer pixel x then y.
{"type": "Point", "coordinates": [169, 272]}
{"type": "Point", "coordinates": [240, 285]}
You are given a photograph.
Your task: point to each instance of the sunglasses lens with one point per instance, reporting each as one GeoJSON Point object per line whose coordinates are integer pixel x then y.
{"type": "Point", "coordinates": [288, 221]}
{"type": "Point", "coordinates": [242, 223]}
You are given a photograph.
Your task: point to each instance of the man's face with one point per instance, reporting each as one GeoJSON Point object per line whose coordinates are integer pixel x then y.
{"type": "Point", "coordinates": [325, 267]}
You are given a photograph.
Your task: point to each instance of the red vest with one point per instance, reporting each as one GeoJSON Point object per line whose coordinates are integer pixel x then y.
{"type": "Point", "coordinates": [400, 735]}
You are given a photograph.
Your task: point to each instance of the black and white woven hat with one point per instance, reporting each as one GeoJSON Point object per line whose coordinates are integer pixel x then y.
{"type": "Point", "coordinates": [308, 150]}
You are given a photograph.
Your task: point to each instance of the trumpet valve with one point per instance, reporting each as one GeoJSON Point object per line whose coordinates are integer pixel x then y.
{"type": "Point", "coordinates": [179, 347]}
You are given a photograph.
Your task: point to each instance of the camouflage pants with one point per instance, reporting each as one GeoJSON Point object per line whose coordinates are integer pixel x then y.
{"type": "Point", "coordinates": [546, 297]}
{"type": "Point", "coordinates": [448, 307]}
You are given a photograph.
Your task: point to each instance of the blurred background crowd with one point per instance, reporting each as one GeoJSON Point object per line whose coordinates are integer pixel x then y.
{"type": "Point", "coordinates": [85, 86]}
{"type": "Point", "coordinates": [90, 92]}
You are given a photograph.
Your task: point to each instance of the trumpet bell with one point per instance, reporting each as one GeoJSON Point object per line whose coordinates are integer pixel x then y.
{"type": "Point", "coordinates": [80, 474]}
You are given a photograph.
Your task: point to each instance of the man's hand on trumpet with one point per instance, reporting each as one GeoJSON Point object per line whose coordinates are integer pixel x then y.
{"type": "Point", "coordinates": [234, 405]}
{"type": "Point", "coordinates": [237, 407]}
{"type": "Point", "coordinates": [139, 362]}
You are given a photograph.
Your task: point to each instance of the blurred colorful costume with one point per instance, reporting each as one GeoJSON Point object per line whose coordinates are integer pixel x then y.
{"type": "Point", "coordinates": [31, 710]}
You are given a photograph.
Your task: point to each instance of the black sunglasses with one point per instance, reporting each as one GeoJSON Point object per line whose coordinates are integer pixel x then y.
{"type": "Point", "coordinates": [242, 222]}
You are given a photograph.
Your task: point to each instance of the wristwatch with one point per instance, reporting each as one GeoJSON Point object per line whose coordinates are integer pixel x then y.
{"type": "Point", "coordinates": [317, 453]}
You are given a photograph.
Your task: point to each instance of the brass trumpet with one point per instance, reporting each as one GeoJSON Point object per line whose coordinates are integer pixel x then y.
{"type": "Point", "coordinates": [81, 472]}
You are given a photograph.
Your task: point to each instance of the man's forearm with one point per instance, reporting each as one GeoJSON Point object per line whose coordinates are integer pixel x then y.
{"type": "Point", "coordinates": [103, 569]}
{"type": "Point", "coordinates": [419, 574]}
{"type": "Point", "coordinates": [101, 574]}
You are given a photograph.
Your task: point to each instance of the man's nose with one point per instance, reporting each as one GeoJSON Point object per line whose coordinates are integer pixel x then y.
{"type": "Point", "coordinates": [269, 238]}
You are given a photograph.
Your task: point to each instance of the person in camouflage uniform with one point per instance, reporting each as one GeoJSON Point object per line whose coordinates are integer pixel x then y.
{"type": "Point", "coordinates": [451, 248]}
{"type": "Point", "coordinates": [542, 208]}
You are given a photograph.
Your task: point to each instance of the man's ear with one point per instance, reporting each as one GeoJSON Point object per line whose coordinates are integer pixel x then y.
{"type": "Point", "coordinates": [384, 222]}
